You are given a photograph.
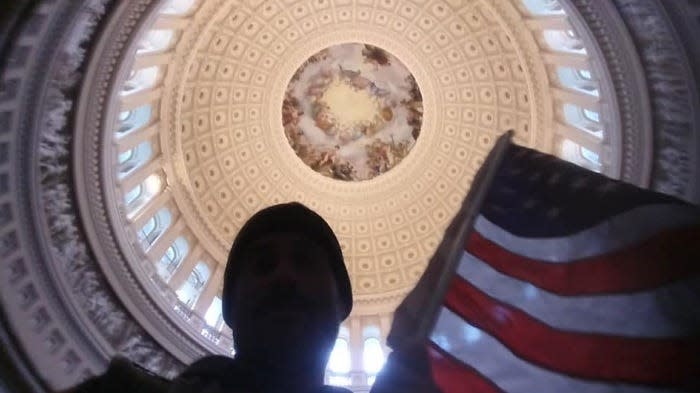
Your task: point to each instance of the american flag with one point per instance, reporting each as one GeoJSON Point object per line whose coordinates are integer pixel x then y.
{"type": "Point", "coordinates": [552, 278]}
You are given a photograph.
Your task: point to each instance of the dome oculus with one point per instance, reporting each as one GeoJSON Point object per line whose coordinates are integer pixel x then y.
{"type": "Point", "coordinates": [352, 112]}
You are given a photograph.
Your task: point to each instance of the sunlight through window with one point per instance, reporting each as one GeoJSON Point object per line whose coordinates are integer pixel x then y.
{"type": "Point", "coordinates": [213, 314]}
{"type": "Point", "coordinates": [339, 361]}
{"type": "Point", "coordinates": [373, 356]}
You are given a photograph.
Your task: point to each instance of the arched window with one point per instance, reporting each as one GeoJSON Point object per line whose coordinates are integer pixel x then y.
{"type": "Point", "coordinates": [585, 74]}
{"type": "Point", "coordinates": [583, 119]}
{"type": "Point", "coordinates": [372, 358]}
{"type": "Point", "coordinates": [192, 288]}
{"type": "Point", "coordinates": [134, 158]}
{"type": "Point", "coordinates": [155, 226]}
{"type": "Point", "coordinates": [591, 156]}
{"type": "Point", "coordinates": [213, 316]}
{"type": "Point", "coordinates": [177, 7]}
{"type": "Point", "coordinates": [133, 195]}
{"type": "Point", "coordinates": [580, 155]}
{"type": "Point", "coordinates": [543, 7]}
{"type": "Point", "coordinates": [155, 41]}
{"type": "Point", "coordinates": [339, 364]}
{"type": "Point", "coordinates": [591, 115]}
{"type": "Point", "coordinates": [172, 258]}
{"type": "Point", "coordinates": [571, 79]}
{"type": "Point", "coordinates": [125, 156]}
{"type": "Point", "coordinates": [168, 262]}
{"type": "Point", "coordinates": [140, 80]}
{"type": "Point", "coordinates": [132, 120]}
{"type": "Point", "coordinates": [564, 41]}
{"type": "Point", "coordinates": [140, 195]}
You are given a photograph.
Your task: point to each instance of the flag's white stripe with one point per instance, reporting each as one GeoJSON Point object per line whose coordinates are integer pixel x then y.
{"type": "Point", "coordinates": [488, 356]}
{"type": "Point", "coordinates": [615, 233]}
{"type": "Point", "coordinates": [669, 311]}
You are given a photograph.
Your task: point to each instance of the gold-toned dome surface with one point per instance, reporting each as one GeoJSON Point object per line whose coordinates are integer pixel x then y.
{"type": "Point", "coordinates": [227, 155]}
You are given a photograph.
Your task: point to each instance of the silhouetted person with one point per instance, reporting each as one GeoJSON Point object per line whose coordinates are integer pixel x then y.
{"type": "Point", "coordinates": [286, 291]}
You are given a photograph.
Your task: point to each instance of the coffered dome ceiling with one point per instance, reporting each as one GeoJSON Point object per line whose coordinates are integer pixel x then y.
{"type": "Point", "coordinates": [224, 146]}
{"type": "Point", "coordinates": [376, 114]}
{"type": "Point", "coordinates": [144, 133]}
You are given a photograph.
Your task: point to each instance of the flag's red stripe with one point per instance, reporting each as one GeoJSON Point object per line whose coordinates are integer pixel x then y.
{"type": "Point", "coordinates": [453, 376]}
{"type": "Point", "coordinates": [635, 360]}
{"type": "Point", "coordinates": [660, 260]}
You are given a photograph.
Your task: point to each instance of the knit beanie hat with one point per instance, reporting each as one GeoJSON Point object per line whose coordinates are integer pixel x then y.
{"type": "Point", "coordinates": [288, 217]}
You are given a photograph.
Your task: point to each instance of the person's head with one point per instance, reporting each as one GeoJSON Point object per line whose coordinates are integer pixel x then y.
{"type": "Point", "coordinates": [286, 289]}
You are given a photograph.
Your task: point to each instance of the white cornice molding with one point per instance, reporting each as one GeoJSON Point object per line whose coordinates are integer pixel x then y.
{"type": "Point", "coordinates": [672, 84]}
{"type": "Point", "coordinates": [60, 309]}
{"type": "Point", "coordinates": [145, 301]}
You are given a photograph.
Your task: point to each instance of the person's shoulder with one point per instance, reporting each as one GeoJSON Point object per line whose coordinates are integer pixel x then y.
{"type": "Point", "coordinates": [123, 375]}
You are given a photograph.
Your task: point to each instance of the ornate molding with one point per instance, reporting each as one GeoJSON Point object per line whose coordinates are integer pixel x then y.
{"type": "Point", "coordinates": [61, 311]}
{"type": "Point", "coordinates": [623, 68]}
{"type": "Point", "coordinates": [673, 94]}
{"type": "Point", "coordinates": [654, 86]}
{"type": "Point", "coordinates": [97, 196]}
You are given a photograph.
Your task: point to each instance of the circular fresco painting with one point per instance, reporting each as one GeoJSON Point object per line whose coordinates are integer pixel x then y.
{"type": "Point", "coordinates": [352, 112]}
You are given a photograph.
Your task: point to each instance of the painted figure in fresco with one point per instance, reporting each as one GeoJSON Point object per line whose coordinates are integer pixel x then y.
{"type": "Point", "coordinates": [352, 112]}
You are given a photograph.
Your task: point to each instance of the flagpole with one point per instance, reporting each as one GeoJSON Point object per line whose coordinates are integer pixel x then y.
{"type": "Point", "coordinates": [473, 202]}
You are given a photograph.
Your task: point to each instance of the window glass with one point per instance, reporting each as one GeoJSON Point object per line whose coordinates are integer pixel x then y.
{"type": "Point", "coordinates": [155, 41]}
{"type": "Point", "coordinates": [155, 226]}
{"type": "Point", "coordinates": [172, 258]}
{"type": "Point", "coordinates": [125, 156]}
{"type": "Point", "coordinates": [148, 229]}
{"type": "Point", "coordinates": [570, 78]}
{"type": "Point", "coordinates": [213, 314]}
{"type": "Point", "coordinates": [585, 74]}
{"type": "Point", "coordinates": [370, 331]}
{"type": "Point", "coordinates": [133, 120]}
{"type": "Point", "coordinates": [171, 253]}
{"type": "Point", "coordinates": [339, 361]}
{"type": "Point", "coordinates": [591, 115]}
{"type": "Point", "coordinates": [580, 155]}
{"type": "Point", "coordinates": [590, 155]}
{"type": "Point", "coordinates": [133, 195]}
{"type": "Point", "coordinates": [137, 157]}
{"type": "Point", "coordinates": [167, 264]}
{"type": "Point", "coordinates": [372, 356]}
{"type": "Point", "coordinates": [143, 193]}
{"type": "Point", "coordinates": [177, 7]}
{"type": "Point", "coordinates": [585, 120]}
{"type": "Point", "coordinates": [570, 150]}
{"type": "Point", "coordinates": [140, 80]}
{"type": "Point", "coordinates": [560, 40]}
{"type": "Point", "coordinates": [192, 288]}
{"type": "Point", "coordinates": [339, 380]}
{"type": "Point", "coordinates": [543, 7]}
{"type": "Point", "coordinates": [153, 184]}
